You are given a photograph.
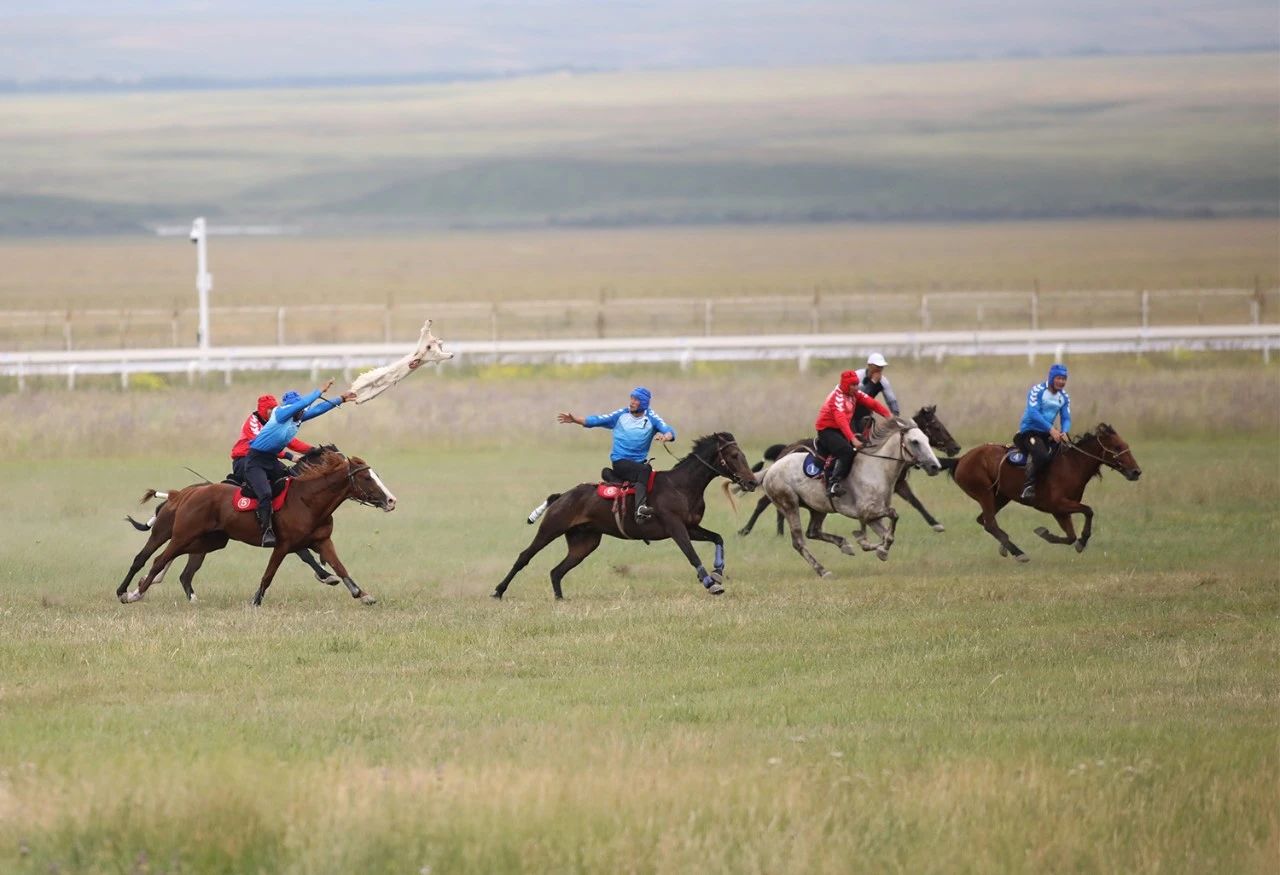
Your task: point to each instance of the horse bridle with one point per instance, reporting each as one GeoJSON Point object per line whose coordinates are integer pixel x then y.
{"type": "Point", "coordinates": [1111, 462]}
{"type": "Point", "coordinates": [723, 471]}
{"type": "Point", "coordinates": [352, 471]}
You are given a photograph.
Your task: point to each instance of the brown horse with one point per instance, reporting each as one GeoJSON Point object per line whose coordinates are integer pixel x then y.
{"type": "Point", "coordinates": [993, 481]}
{"type": "Point", "coordinates": [200, 519]}
{"type": "Point", "coordinates": [583, 518]}
{"type": "Point", "coordinates": [926, 419]}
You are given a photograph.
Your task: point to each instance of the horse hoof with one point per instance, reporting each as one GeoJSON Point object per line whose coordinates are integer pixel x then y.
{"type": "Point", "coordinates": [939, 527]}
{"type": "Point", "coordinates": [495, 595]}
{"type": "Point", "coordinates": [715, 589]}
{"type": "Point", "coordinates": [1022, 557]}
{"type": "Point", "coordinates": [847, 549]}
{"type": "Point", "coordinates": [825, 573]}
{"type": "Point", "coordinates": [124, 598]}
{"type": "Point", "coordinates": [1004, 551]}
{"type": "Point", "coordinates": [329, 580]}
{"type": "Point", "coordinates": [131, 597]}
{"type": "Point", "coordinates": [192, 598]}
{"type": "Point", "coordinates": [882, 555]}
{"type": "Point", "coordinates": [719, 576]}
{"type": "Point", "coordinates": [744, 532]}
{"type": "Point", "coordinates": [367, 599]}
{"type": "Point", "coordinates": [1079, 546]}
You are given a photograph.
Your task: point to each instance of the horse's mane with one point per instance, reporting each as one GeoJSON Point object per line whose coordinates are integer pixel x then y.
{"type": "Point", "coordinates": [887, 428]}
{"type": "Point", "coordinates": [317, 462]}
{"type": "Point", "coordinates": [704, 448]}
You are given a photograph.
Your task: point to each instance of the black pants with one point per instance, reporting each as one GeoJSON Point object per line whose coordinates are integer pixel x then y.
{"type": "Point", "coordinates": [832, 442]}
{"type": "Point", "coordinates": [260, 471]}
{"type": "Point", "coordinates": [1039, 448]}
{"type": "Point", "coordinates": [637, 473]}
{"type": "Point", "coordinates": [237, 468]}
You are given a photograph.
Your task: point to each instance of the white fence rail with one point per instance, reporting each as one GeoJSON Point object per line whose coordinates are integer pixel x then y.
{"type": "Point", "coordinates": [605, 317]}
{"type": "Point", "coordinates": [801, 348]}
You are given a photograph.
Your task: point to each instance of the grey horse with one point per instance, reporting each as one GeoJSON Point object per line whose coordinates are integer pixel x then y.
{"type": "Point", "coordinates": [894, 445]}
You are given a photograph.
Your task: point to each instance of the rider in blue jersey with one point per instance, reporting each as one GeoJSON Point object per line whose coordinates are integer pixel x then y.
{"type": "Point", "coordinates": [263, 464]}
{"type": "Point", "coordinates": [635, 428]}
{"type": "Point", "coordinates": [1037, 435]}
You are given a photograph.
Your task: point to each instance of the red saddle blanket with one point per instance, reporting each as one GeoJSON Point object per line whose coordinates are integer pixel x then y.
{"type": "Point", "coordinates": [243, 501]}
{"type": "Point", "coordinates": [611, 491]}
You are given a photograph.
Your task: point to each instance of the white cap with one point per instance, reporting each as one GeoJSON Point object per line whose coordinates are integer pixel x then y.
{"type": "Point", "coordinates": [877, 360]}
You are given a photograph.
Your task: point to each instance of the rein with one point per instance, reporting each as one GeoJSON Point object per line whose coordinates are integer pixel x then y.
{"type": "Point", "coordinates": [1109, 462]}
{"type": "Point", "coordinates": [720, 448]}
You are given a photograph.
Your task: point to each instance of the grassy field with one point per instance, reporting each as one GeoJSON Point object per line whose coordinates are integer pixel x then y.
{"type": "Point", "coordinates": [1112, 711]}
{"type": "Point", "coordinates": [1170, 136]}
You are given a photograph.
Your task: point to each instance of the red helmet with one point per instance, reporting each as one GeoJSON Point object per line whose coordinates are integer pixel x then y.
{"type": "Point", "coordinates": [266, 403]}
{"type": "Point", "coordinates": [849, 381]}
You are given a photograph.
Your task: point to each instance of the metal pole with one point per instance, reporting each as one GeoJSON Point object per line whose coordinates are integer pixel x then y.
{"type": "Point", "coordinates": [204, 280]}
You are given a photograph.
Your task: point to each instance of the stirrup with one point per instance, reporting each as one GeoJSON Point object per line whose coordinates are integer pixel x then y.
{"type": "Point", "coordinates": [643, 512]}
{"type": "Point", "coordinates": [1028, 492]}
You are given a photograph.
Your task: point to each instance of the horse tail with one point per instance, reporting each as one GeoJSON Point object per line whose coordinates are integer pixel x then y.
{"type": "Point", "coordinates": [152, 493]}
{"type": "Point", "coordinates": [538, 511]}
{"type": "Point", "coordinates": [771, 454]}
{"type": "Point", "coordinates": [142, 527]}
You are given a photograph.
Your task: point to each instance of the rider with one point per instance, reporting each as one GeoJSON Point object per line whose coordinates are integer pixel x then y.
{"type": "Point", "coordinates": [263, 464]}
{"type": "Point", "coordinates": [835, 436]}
{"type": "Point", "coordinates": [252, 425]}
{"type": "Point", "coordinates": [872, 381]}
{"type": "Point", "coordinates": [1037, 434]}
{"type": "Point", "coordinates": [635, 427]}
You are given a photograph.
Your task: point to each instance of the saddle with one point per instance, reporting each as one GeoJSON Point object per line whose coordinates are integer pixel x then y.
{"type": "Point", "coordinates": [816, 466]}
{"type": "Point", "coordinates": [1018, 459]}
{"type": "Point", "coordinates": [244, 501]}
{"type": "Point", "coordinates": [612, 488]}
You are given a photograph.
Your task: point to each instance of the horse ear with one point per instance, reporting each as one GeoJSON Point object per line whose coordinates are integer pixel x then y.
{"type": "Point", "coordinates": [931, 408]}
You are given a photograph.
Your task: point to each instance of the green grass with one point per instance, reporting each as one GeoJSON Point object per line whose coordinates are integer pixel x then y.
{"type": "Point", "coordinates": [948, 710]}
{"type": "Point", "coordinates": [1165, 136]}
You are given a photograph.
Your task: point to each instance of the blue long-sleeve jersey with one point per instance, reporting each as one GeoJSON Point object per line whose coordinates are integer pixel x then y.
{"type": "Point", "coordinates": [632, 435]}
{"type": "Point", "coordinates": [1043, 407]}
{"type": "Point", "coordinates": [281, 427]}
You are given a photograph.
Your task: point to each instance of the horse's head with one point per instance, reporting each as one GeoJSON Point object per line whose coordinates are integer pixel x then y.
{"type": "Point", "coordinates": [433, 351]}
{"type": "Point", "coordinates": [915, 444]}
{"type": "Point", "coordinates": [1115, 452]}
{"type": "Point", "coordinates": [721, 453]}
{"type": "Point", "coordinates": [367, 487]}
{"type": "Point", "coordinates": [939, 438]}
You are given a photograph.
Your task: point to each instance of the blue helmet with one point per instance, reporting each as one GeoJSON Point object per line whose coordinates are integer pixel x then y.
{"type": "Point", "coordinates": [1057, 370]}
{"type": "Point", "coordinates": [641, 394]}
{"type": "Point", "coordinates": [290, 397]}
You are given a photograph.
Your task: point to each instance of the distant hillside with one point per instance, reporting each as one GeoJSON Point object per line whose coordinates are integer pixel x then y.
{"type": "Point", "coordinates": [1143, 136]}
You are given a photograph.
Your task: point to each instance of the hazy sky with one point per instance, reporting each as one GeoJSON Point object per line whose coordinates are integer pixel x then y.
{"type": "Point", "coordinates": [261, 38]}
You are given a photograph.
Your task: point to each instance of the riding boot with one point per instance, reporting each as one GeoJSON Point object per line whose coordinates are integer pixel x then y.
{"type": "Point", "coordinates": [264, 523]}
{"type": "Point", "coordinates": [835, 475]}
{"type": "Point", "coordinates": [643, 511]}
{"type": "Point", "coordinates": [1029, 487]}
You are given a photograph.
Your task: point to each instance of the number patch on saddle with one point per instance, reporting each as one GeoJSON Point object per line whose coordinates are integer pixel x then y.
{"type": "Point", "coordinates": [813, 466]}
{"type": "Point", "coordinates": [244, 502]}
{"type": "Point", "coordinates": [1017, 458]}
{"type": "Point", "coordinates": [610, 491]}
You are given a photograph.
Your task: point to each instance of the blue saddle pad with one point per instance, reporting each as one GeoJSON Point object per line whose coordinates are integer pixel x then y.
{"type": "Point", "coordinates": [812, 466]}
{"type": "Point", "coordinates": [1017, 458]}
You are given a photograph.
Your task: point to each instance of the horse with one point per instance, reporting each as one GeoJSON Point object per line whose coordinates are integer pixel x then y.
{"type": "Point", "coordinates": [868, 486]}
{"type": "Point", "coordinates": [926, 419]}
{"type": "Point", "coordinates": [582, 517]}
{"type": "Point", "coordinates": [989, 478]}
{"type": "Point", "coordinates": [200, 519]}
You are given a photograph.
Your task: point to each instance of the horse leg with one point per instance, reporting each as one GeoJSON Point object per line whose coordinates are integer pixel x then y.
{"type": "Point", "coordinates": [815, 533]}
{"type": "Point", "coordinates": [329, 553]}
{"type": "Point", "coordinates": [582, 543]}
{"type": "Point", "coordinates": [277, 556]}
{"type": "Point", "coordinates": [546, 534]}
{"type": "Point", "coordinates": [1063, 516]}
{"type": "Point", "coordinates": [153, 544]}
{"type": "Point", "coordinates": [161, 562]}
{"type": "Point", "coordinates": [761, 505]}
{"type": "Point", "coordinates": [991, 505]}
{"type": "Point", "coordinates": [197, 553]}
{"type": "Point", "coordinates": [698, 533]}
{"type": "Point", "coordinates": [324, 575]}
{"type": "Point", "coordinates": [903, 489]}
{"type": "Point", "coordinates": [886, 532]}
{"type": "Point", "coordinates": [797, 540]}
{"type": "Point", "coordinates": [1064, 520]}
{"type": "Point", "coordinates": [779, 518]}
{"type": "Point", "coordinates": [676, 530]}
{"type": "Point", "coordinates": [1088, 527]}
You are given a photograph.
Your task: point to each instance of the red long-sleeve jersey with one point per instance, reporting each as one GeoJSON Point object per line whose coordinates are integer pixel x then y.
{"type": "Point", "coordinates": [250, 430]}
{"type": "Point", "coordinates": [837, 411]}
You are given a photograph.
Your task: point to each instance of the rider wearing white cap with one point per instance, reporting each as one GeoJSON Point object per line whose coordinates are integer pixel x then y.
{"type": "Point", "coordinates": [873, 383]}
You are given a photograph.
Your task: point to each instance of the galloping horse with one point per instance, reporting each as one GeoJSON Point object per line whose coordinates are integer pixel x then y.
{"type": "Point", "coordinates": [582, 517]}
{"type": "Point", "coordinates": [926, 419]}
{"type": "Point", "coordinates": [993, 481]}
{"type": "Point", "coordinates": [868, 487]}
{"type": "Point", "coordinates": [200, 519]}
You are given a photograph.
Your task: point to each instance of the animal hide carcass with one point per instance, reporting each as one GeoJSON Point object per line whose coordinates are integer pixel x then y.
{"type": "Point", "coordinates": [373, 383]}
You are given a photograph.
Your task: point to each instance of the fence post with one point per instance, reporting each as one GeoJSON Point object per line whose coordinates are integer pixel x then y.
{"type": "Point", "coordinates": [1259, 299]}
{"type": "Point", "coordinates": [66, 331]}
{"type": "Point", "coordinates": [802, 361]}
{"type": "Point", "coordinates": [493, 322]}
{"type": "Point", "coordinates": [1035, 307]}
{"type": "Point", "coordinates": [226, 372]}
{"type": "Point", "coordinates": [173, 328]}
{"type": "Point", "coordinates": [22, 377]}
{"type": "Point", "coordinates": [191, 372]}
{"type": "Point", "coordinates": [124, 376]}
{"type": "Point", "coordinates": [815, 317]}
{"type": "Point", "coordinates": [708, 307]}
{"type": "Point", "coordinates": [1146, 309]}
{"type": "Point", "coordinates": [924, 312]}
{"type": "Point", "coordinates": [280, 326]}
{"type": "Point", "coordinates": [71, 376]}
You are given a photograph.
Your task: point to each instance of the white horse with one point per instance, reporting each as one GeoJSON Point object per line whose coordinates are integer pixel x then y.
{"type": "Point", "coordinates": [894, 445]}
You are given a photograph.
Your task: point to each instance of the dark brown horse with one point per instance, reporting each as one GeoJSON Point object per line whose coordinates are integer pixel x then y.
{"type": "Point", "coordinates": [200, 519]}
{"type": "Point", "coordinates": [926, 420]}
{"type": "Point", "coordinates": [993, 481]}
{"type": "Point", "coordinates": [582, 517]}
